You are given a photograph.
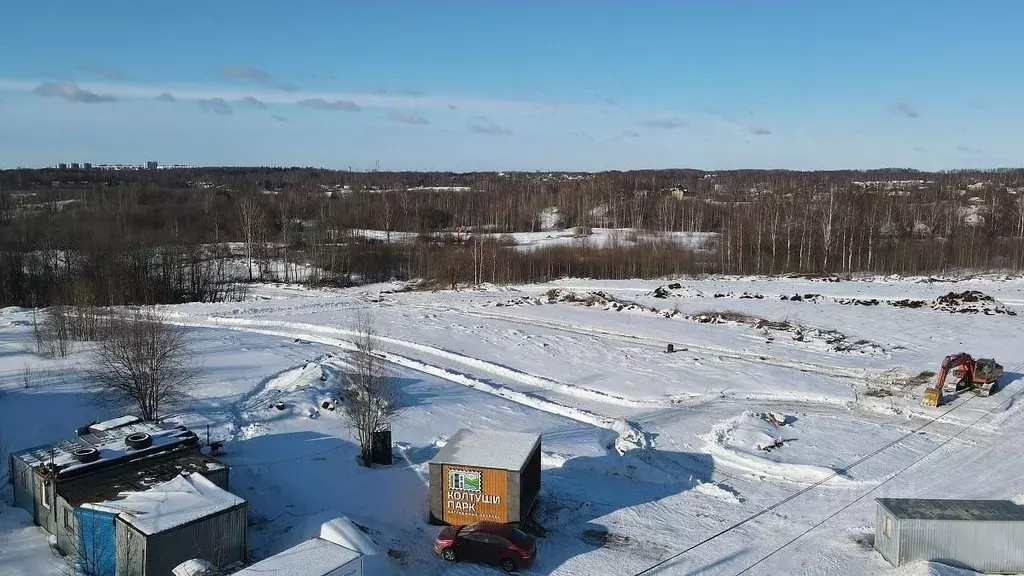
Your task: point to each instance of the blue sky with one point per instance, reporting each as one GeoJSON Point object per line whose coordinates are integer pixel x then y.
{"type": "Point", "coordinates": [523, 85]}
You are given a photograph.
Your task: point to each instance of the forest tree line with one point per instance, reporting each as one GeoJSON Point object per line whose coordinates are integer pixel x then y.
{"type": "Point", "coordinates": [163, 236]}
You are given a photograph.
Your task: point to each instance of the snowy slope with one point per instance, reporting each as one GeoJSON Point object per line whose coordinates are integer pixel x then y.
{"type": "Point", "coordinates": [645, 452]}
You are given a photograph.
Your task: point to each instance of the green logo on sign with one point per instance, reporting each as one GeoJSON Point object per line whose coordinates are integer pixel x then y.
{"type": "Point", "coordinates": [464, 480]}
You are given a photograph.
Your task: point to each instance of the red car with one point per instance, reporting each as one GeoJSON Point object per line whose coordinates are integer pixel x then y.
{"type": "Point", "coordinates": [491, 543]}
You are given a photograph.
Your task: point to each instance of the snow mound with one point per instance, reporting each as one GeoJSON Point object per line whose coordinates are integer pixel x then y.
{"type": "Point", "coordinates": [344, 532]}
{"type": "Point", "coordinates": [630, 437]}
{"type": "Point", "coordinates": [194, 567]}
{"type": "Point", "coordinates": [253, 430]}
{"type": "Point", "coordinates": [717, 491]}
{"type": "Point", "coordinates": [1018, 499]}
{"type": "Point", "coordinates": [751, 442]}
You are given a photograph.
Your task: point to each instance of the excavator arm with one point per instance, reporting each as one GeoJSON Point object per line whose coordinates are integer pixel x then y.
{"type": "Point", "coordinates": [943, 372]}
{"type": "Point", "coordinates": [962, 360]}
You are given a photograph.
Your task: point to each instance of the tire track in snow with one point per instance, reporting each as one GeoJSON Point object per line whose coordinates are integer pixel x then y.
{"type": "Point", "coordinates": [484, 365]}
{"type": "Point", "coordinates": [623, 436]}
{"type": "Point", "coordinates": [594, 331]}
{"type": "Point", "coordinates": [523, 398]}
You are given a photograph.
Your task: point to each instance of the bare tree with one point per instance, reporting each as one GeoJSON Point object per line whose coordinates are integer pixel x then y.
{"type": "Point", "coordinates": [372, 397]}
{"type": "Point", "coordinates": [145, 363]}
{"type": "Point", "coordinates": [54, 334]}
{"type": "Point", "coordinates": [386, 215]}
{"type": "Point", "coordinates": [250, 216]}
{"type": "Point", "coordinates": [91, 548]}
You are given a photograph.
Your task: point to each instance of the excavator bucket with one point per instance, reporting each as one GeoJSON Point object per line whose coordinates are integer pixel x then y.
{"type": "Point", "coordinates": [932, 397]}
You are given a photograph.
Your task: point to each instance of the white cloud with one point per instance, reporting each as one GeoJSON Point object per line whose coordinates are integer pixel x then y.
{"type": "Point", "coordinates": [71, 92]}
{"type": "Point", "coordinates": [413, 119]}
{"type": "Point", "coordinates": [324, 104]}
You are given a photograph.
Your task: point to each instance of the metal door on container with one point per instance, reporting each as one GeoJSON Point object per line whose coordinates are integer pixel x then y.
{"type": "Point", "coordinates": [473, 547]}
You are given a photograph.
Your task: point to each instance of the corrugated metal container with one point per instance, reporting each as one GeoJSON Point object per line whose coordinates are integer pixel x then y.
{"type": "Point", "coordinates": [218, 476]}
{"type": "Point", "coordinates": [96, 543]}
{"type": "Point", "coordinates": [315, 557]}
{"type": "Point", "coordinates": [220, 539]}
{"type": "Point", "coordinates": [485, 476]}
{"type": "Point", "coordinates": [24, 486]}
{"type": "Point", "coordinates": [982, 535]}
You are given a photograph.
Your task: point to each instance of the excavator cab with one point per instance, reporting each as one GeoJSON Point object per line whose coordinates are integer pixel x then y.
{"type": "Point", "coordinates": [987, 373]}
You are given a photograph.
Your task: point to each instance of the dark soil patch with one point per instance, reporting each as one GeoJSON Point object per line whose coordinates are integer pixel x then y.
{"type": "Point", "coordinates": [606, 539]}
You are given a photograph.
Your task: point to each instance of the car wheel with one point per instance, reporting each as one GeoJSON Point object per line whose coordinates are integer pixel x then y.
{"type": "Point", "coordinates": [508, 565]}
{"type": "Point", "coordinates": [448, 554]}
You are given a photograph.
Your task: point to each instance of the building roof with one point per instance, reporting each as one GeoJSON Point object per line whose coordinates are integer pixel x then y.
{"type": "Point", "coordinates": [488, 449]}
{"type": "Point", "coordinates": [171, 504]}
{"type": "Point", "coordinates": [315, 557]}
{"type": "Point", "coordinates": [143, 474]}
{"type": "Point", "coordinates": [937, 509]}
{"type": "Point", "coordinates": [109, 438]}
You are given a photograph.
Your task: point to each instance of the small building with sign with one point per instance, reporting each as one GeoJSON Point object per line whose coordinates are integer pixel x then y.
{"type": "Point", "coordinates": [485, 475]}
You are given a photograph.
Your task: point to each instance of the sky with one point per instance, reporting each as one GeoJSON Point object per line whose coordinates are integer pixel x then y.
{"type": "Point", "coordinates": [514, 85]}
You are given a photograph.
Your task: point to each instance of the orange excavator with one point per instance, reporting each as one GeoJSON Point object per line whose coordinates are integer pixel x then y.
{"type": "Point", "coordinates": [981, 375]}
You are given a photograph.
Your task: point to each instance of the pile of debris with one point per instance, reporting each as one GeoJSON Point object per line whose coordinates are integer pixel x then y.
{"type": "Point", "coordinates": [971, 302]}
{"type": "Point", "coordinates": [858, 301]}
{"type": "Point", "coordinates": [817, 277]}
{"type": "Point", "coordinates": [663, 291]}
{"type": "Point", "coordinates": [836, 341]}
{"type": "Point", "coordinates": [743, 296]}
{"type": "Point", "coordinates": [675, 290]}
{"type": "Point", "coordinates": [802, 298]}
{"type": "Point", "coordinates": [520, 301]}
{"type": "Point", "coordinates": [598, 298]}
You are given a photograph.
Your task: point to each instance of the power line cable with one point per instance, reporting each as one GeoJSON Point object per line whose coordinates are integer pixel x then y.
{"type": "Point", "coordinates": [871, 491]}
{"type": "Point", "coordinates": [807, 489]}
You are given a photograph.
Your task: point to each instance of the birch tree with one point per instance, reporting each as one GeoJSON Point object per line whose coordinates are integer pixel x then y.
{"type": "Point", "coordinates": [250, 217]}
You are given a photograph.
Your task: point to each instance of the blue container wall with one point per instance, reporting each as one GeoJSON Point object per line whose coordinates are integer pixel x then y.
{"type": "Point", "coordinates": [96, 552]}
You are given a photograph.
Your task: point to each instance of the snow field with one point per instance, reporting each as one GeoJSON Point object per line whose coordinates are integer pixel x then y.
{"type": "Point", "coordinates": [644, 452]}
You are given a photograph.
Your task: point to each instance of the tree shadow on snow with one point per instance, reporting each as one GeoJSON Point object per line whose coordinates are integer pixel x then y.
{"type": "Point", "coordinates": [293, 481]}
{"type": "Point", "coordinates": [334, 376]}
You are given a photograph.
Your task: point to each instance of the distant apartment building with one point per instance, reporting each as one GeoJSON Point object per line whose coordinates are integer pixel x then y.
{"type": "Point", "coordinates": [151, 165]}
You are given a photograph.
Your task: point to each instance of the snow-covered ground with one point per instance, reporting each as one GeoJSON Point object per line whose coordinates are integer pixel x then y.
{"type": "Point", "coordinates": [645, 452]}
{"type": "Point", "coordinates": [598, 237]}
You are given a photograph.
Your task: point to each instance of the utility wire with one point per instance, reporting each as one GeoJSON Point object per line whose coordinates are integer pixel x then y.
{"type": "Point", "coordinates": [883, 483]}
{"type": "Point", "coordinates": [807, 489]}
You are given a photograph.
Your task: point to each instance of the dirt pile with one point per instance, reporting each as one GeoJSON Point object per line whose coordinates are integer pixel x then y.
{"type": "Point", "coordinates": [832, 339]}
{"type": "Point", "coordinates": [803, 298]}
{"type": "Point", "coordinates": [971, 302]}
{"type": "Point", "coordinates": [603, 300]}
